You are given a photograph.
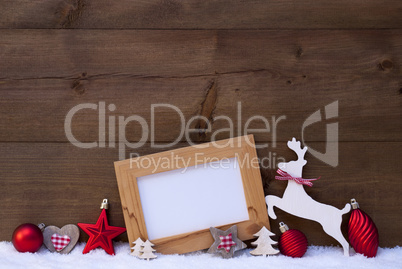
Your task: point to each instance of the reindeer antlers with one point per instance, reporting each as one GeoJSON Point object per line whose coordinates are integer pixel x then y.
{"type": "Point", "coordinates": [295, 146]}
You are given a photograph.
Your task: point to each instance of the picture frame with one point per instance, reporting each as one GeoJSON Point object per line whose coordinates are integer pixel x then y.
{"type": "Point", "coordinates": [171, 198]}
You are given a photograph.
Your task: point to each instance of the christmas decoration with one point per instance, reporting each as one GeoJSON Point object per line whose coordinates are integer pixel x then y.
{"type": "Point", "coordinates": [224, 195]}
{"type": "Point", "coordinates": [61, 240]}
{"type": "Point", "coordinates": [101, 234]}
{"type": "Point", "coordinates": [292, 243]}
{"type": "Point", "coordinates": [226, 242]}
{"type": "Point", "coordinates": [28, 237]}
{"type": "Point", "coordinates": [363, 234]}
{"type": "Point", "coordinates": [264, 243]}
{"type": "Point", "coordinates": [137, 247]}
{"type": "Point", "coordinates": [297, 202]}
{"type": "Point", "coordinates": [146, 251]}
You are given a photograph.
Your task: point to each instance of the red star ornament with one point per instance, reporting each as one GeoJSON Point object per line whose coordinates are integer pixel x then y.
{"type": "Point", "coordinates": [100, 234]}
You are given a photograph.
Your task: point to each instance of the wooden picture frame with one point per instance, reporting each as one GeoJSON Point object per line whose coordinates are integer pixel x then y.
{"type": "Point", "coordinates": [241, 148]}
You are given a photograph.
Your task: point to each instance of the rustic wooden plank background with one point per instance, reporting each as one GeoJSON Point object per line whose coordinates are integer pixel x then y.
{"type": "Point", "coordinates": [277, 58]}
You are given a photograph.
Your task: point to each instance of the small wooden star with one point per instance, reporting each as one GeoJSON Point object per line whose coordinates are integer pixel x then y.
{"type": "Point", "coordinates": [233, 243]}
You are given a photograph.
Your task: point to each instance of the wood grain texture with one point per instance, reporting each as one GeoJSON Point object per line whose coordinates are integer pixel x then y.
{"type": "Point", "coordinates": [77, 55]}
{"type": "Point", "coordinates": [202, 73]}
{"type": "Point", "coordinates": [278, 58]}
{"type": "Point", "coordinates": [264, 243]}
{"type": "Point", "coordinates": [217, 234]}
{"type": "Point", "coordinates": [194, 14]}
{"type": "Point", "coordinates": [127, 172]}
{"type": "Point", "coordinates": [70, 230]}
{"type": "Point", "coordinates": [74, 186]}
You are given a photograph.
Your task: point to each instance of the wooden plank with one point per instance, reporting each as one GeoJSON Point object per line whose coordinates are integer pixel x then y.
{"type": "Point", "coordinates": [272, 74]}
{"type": "Point", "coordinates": [36, 110]}
{"type": "Point", "coordinates": [192, 14]}
{"type": "Point", "coordinates": [67, 54]}
{"type": "Point", "coordinates": [74, 182]}
{"type": "Point", "coordinates": [287, 55]}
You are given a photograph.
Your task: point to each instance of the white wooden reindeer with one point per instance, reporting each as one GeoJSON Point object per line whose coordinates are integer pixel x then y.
{"type": "Point", "coordinates": [297, 202]}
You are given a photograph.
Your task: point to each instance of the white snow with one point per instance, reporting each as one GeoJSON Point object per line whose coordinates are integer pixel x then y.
{"type": "Point", "coordinates": [315, 257]}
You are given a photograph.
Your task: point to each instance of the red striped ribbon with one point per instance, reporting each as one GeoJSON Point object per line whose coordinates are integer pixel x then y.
{"type": "Point", "coordinates": [299, 180]}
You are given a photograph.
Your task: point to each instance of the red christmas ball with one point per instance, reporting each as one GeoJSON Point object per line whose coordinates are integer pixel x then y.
{"type": "Point", "coordinates": [27, 238]}
{"type": "Point", "coordinates": [292, 243]}
{"type": "Point", "coordinates": [362, 232]}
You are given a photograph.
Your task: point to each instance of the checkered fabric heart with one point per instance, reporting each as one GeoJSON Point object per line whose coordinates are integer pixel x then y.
{"type": "Point", "coordinates": [226, 242]}
{"type": "Point", "coordinates": [60, 242]}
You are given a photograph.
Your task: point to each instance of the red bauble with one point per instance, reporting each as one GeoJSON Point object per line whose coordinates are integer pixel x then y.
{"type": "Point", "coordinates": [27, 238]}
{"type": "Point", "coordinates": [362, 232]}
{"type": "Point", "coordinates": [292, 243]}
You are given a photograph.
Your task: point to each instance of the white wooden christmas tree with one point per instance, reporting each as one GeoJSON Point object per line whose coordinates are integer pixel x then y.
{"type": "Point", "coordinates": [147, 251]}
{"type": "Point", "coordinates": [264, 243]}
{"type": "Point", "coordinates": [137, 247]}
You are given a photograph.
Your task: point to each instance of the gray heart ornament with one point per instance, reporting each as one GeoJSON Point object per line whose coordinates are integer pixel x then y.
{"type": "Point", "coordinates": [70, 230]}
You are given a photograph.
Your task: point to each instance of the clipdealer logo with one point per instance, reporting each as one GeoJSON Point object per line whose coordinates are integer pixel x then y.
{"type": "Point", "coordinates": [107, 126]}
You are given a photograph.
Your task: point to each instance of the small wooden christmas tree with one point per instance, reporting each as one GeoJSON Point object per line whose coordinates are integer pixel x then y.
{"type": "Point", "coordinates": [137, 247]}
{"type": "Point", "coordinates": [147, 251]}
{"type": "Point", "coordinates": [264, 243]}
